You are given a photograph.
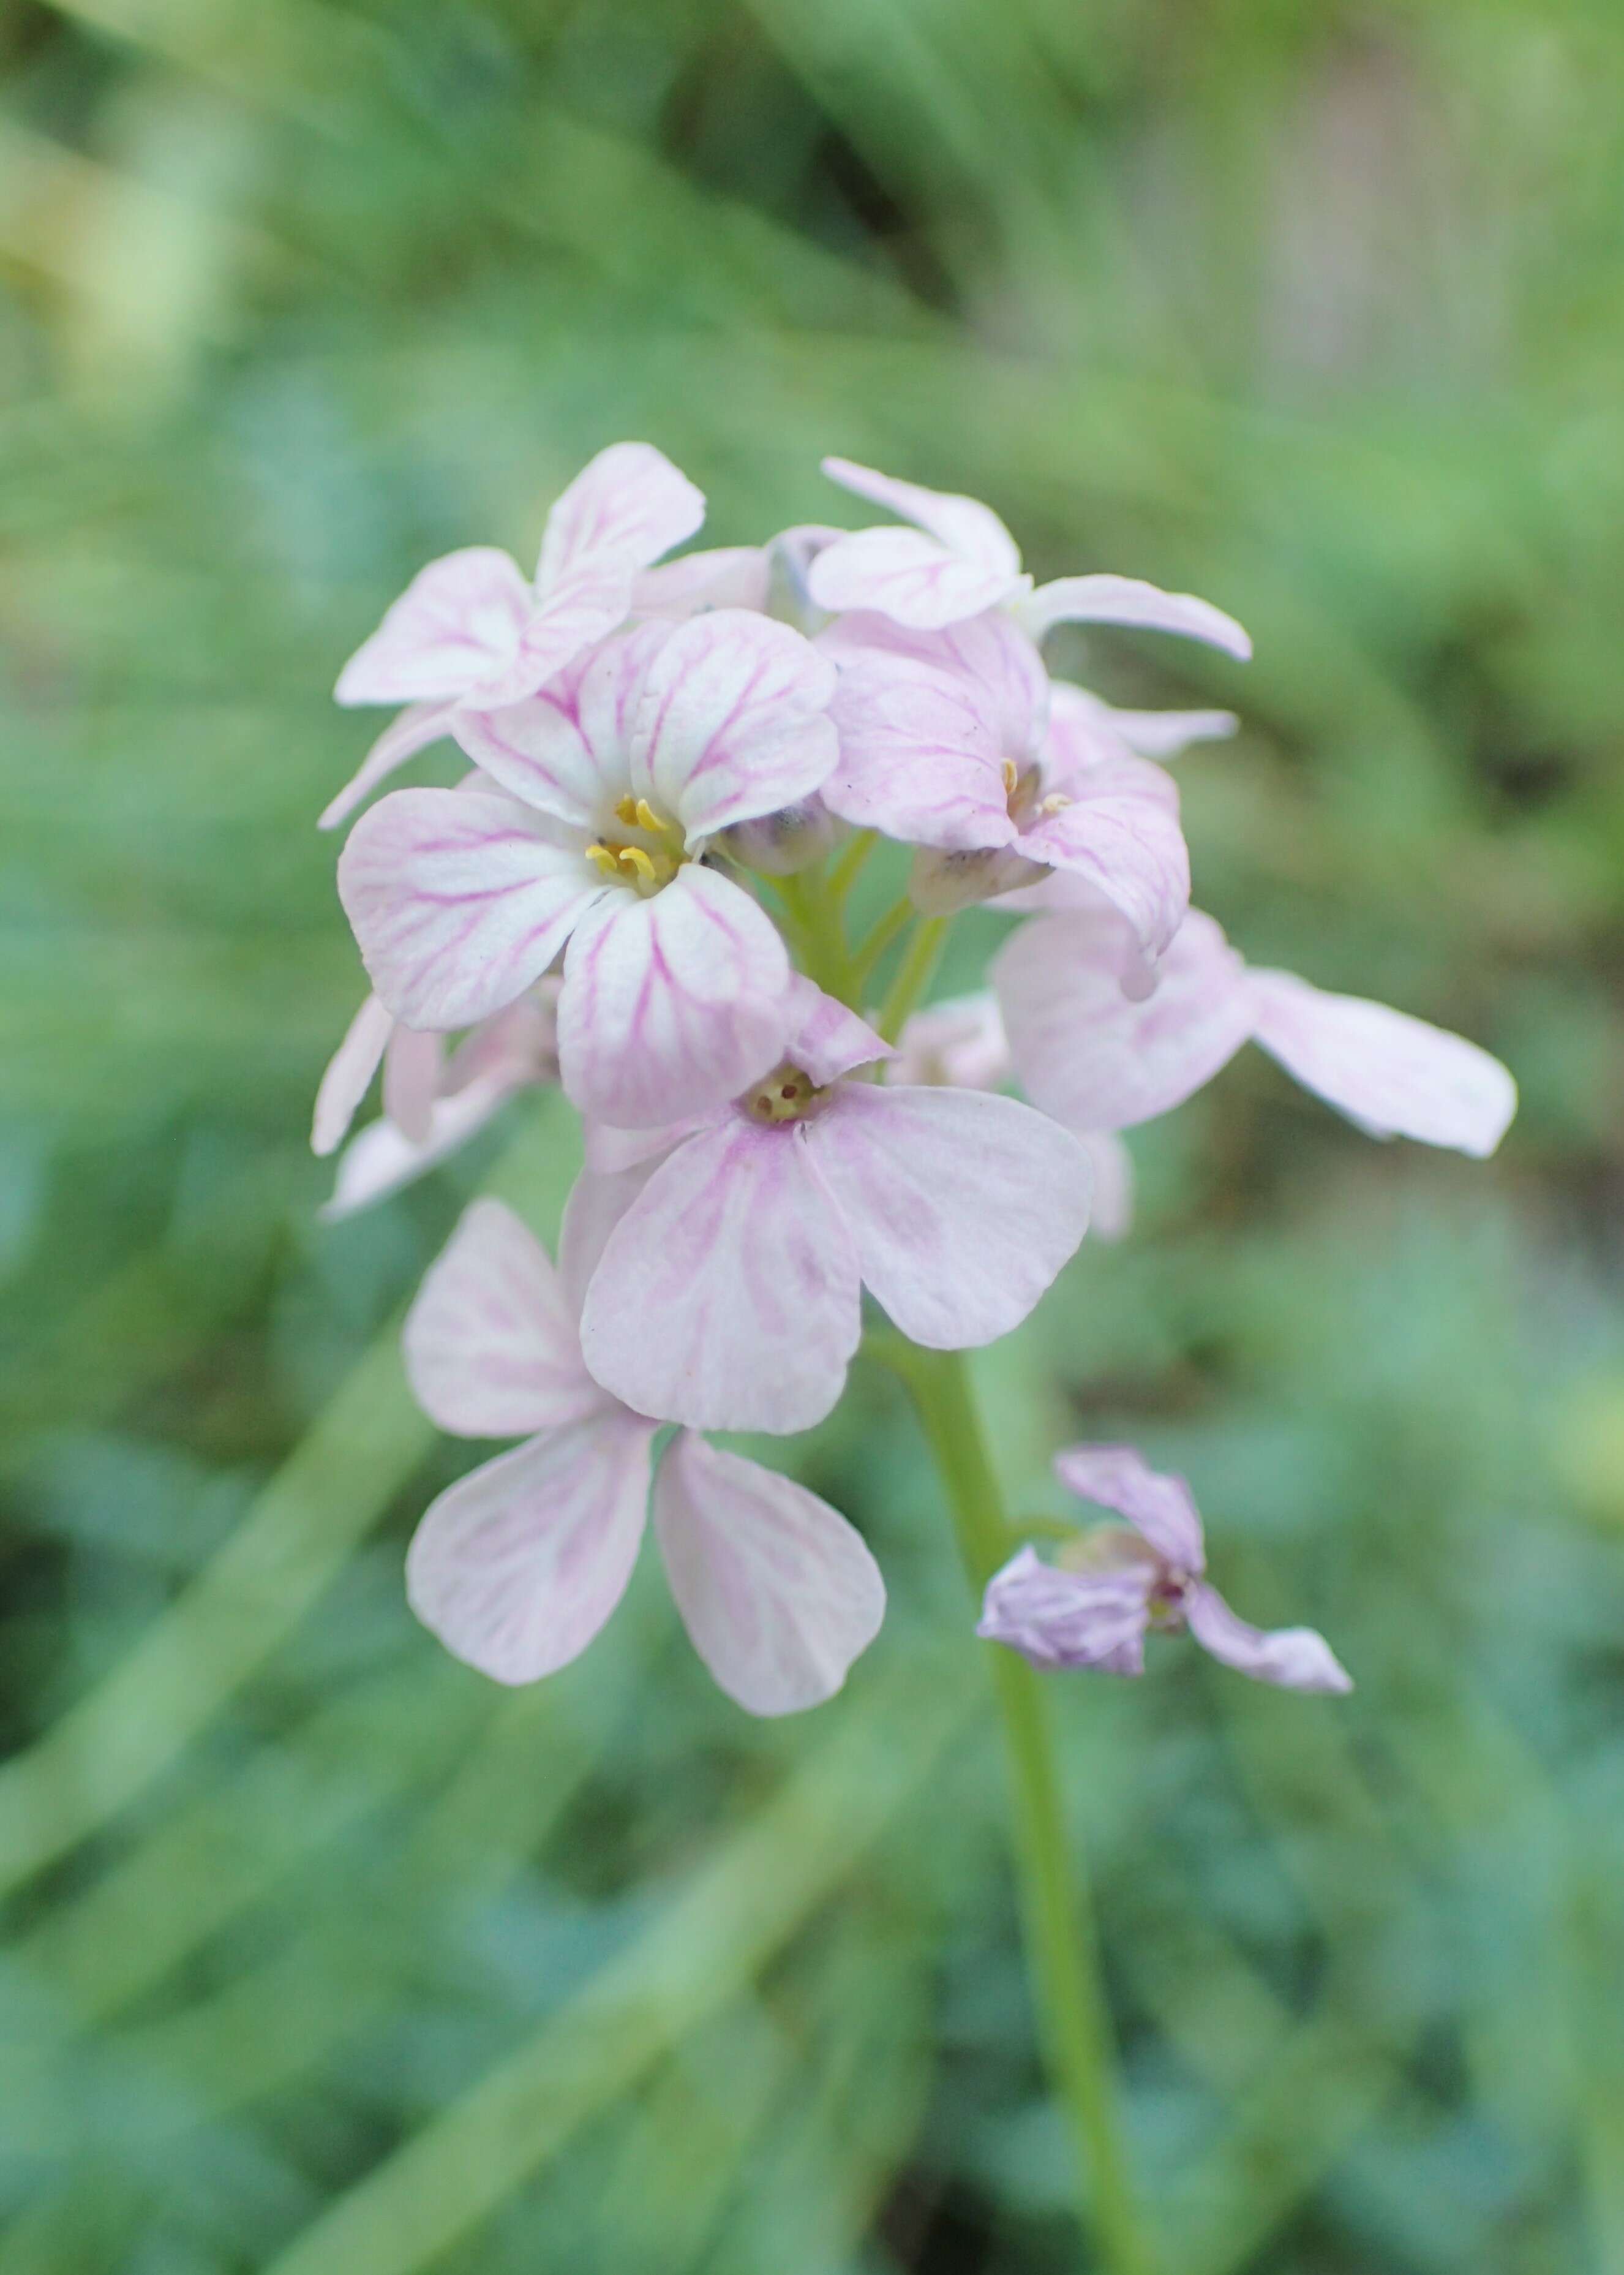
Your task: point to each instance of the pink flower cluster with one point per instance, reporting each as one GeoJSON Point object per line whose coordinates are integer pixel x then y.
{"type": "Point", "coordinates": [651, 743]}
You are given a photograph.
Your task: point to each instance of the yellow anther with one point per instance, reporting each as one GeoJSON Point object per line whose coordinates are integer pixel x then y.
{"type": "Point", "coordinates": [602, 856]}
{"type": "Point", "coordinates": [647, 819]}
{"type": "Point", "coordinates": [1012, 775]}
{"type": "Point", "coordinates": [626, 809]}
{"type": "Point", "coordinates": [633, 857]}
{"type": "Point", "coordinates": [1054, 802]}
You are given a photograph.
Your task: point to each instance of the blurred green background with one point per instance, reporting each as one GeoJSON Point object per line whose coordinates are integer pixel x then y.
{"type": "Point", "coordinates": [323, 1955]}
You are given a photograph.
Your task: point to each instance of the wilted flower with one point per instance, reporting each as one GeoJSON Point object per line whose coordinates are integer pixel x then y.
{"type": "Point", "coordinates": [517, 1566]}
{"type": "Point", "coordinates": [1096, 1605]}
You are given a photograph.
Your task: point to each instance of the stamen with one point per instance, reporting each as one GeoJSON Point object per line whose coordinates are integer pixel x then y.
{"type": "Point", "coordinates": [1012, 775]}
{"type": "Point", "coordinates": [626, 809]}
{"type": "Point", "coordinates": [633, 857]}
{"type": "Point", "coordinates": [602, 859]}
{"type": "Point", "coordinates": [1054, 802]}
{"type": "Point", "coordinates": [643, 813]}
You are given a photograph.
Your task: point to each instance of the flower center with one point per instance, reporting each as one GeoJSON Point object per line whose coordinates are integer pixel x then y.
{"type": "Point", "coordinates": [1024, 796]}
{"type": "Point", "coordinates": [645, 850]}
{"type": "Point", "coordinates": [787, 1094]}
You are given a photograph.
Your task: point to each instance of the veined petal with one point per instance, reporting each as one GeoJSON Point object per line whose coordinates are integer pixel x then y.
{"type": "Point", "coordinates": [457, 623]}
{"type": "Point", "coordinates": [412, 1065]}
{"type": "Point", "coordinates": [536, 751]}
{"type": "Point", "coordinates": [517, 1046]}
{"type": "Point", "coordinates": [962, 1206]}
{"type": "Point", "coordinates": [825, 1039]}
{"type": "Point", "coordinates": [380, 1159]}
{"type": "Point", "coordinates": [629, 503]}
{"type": "Point", "coordinates": [458, 901]}
{"type": "Point", "coordinates": [777, 1591]}
{"type": "Point", "coordinates": [1394, 1076]}
{"type": "Point", "coordinates": [920, 757]}
{"type": "Point", "coordinates": [1129, 601]}
{"type": "Point", "coordinates": [349, 1075]}
{"type": "Point", "coordinates": [1120, 832]}
{"type": "Point", "coordinates": [585, 603]}
{"type": "Point", "coordinates": [959, 1042]}
{"type": "Point", "coordinates": [1059, 1619]}
{"type": "Point", "coordinates": [1088, 1054]}
{"type": "Point", "coordinates": [1296, 1659]}
{"type": "Point", "coordinates": [905, 574]}
{"type": "Point", "coordinates": [670, 1005]}
{"type": "Point", "coordinates": [419, 725]}
{"type": "Point", "coordinates": [727, 1296]}
{"type": "Point", "coordinates": [518, 1565]}
{"type": "Point", "coordinates": [732, 721]}
{"type": "Point", "coordinates": [598, 1200]}
{"type": "Point", "coordinates": [969, 528]}
{"type": "Point", "coordinates": [1159, 1507]}
{"type": "Point", "coordinates": [1156, 734]}
{"type": "Point", "coordinates": [490, 1342]}
{"type": "Point", "coordinates": [726, 577]}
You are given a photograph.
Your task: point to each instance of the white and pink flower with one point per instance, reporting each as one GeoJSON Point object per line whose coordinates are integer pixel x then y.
{"type": "Point", "coordinates": [1095, 1060]}
{"type": "Point", "coordinates": [585, 833]}
{"type": "Point", "coordinates": [517, 1566]}
{"type": "Point", "coordinates": [472, 632]}
{"type": "Point", "coordinates": [1094, 1607]}
{"type": "Point", "coordinates": [958, 559]}
{"type": "Point", "coordinates": [731, 1261]}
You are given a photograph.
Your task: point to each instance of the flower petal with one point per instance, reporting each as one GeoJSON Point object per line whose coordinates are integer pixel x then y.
{"type": "Point", "coordinates": [1297, 1659]}
{"type": "Point", "coordinates": [1119, 831]}
{"type": "Point", "coordinates": [379, 1160]}
{"type": "Point", "coordinates": [584, 604]}
{"type": "Point", "coordinates": [630, 503]}
{"type": "Point", "coordinates": [727, 577]}
{"type": "Point", "coordinates": [490, 1342]}
{"type": "Point", "coordinates": [1394, 1076]}
{"type": "Point", "coordinates": [1089, 1055]}
{"type": "Point", "coordinates": [920, 756]}
{"type": "Point", "coordinates": [518, 1565]}
{"type": "Point", "coordinates": [537, 751]}
{"type": "Point", "coordinates": [1111, 1218]}
{"type": "Point", "coordinates": [1058, 1619]}
{"type": "Point", "coordinates": [963, 1207]}
{"type": "Point", "coordinates": [1129, 601]}
{"type": "Point", "coordinates": [959, 1042]}
{"type": "Point", "coordinates": [826, 1039]}
{"type": "Point", "coordinates": [670, 1005]}
{"type": "Point", "coordinates": [733, 721]}
{"type": "Point", "coordinates": [417, 726]}
{"type": "Point", "coordinates": [349, 1075]}
{"type": "Point", "coordinates": [905, 574]}
{"type": "Point", "coordinates": [971, 529]}
{"type": "Point", "coordinates": [1159, 1507]}
{"type": "Point", "coordinates": [727, 1296]}
{"type": "Point", "coordinates": [412, 1065]}
{"type": "Point", "coordinates": [459, 902]}
{"type": "Point", "coordinates": [777, 1591]}
{"type": "Point", "coordinates": [457, 624]}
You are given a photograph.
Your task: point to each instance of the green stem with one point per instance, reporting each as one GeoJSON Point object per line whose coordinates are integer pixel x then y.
{"type": "Point", "coordinates": [895, 920]}
{"type": "Point", "coordinates": [821, 933]}
{"type": "Point", "coordinates": [1062, 1946]}
{"type": "Point", "coordinates": [913, 976]}
{"type": "Point", "coordinates": [842, 876]}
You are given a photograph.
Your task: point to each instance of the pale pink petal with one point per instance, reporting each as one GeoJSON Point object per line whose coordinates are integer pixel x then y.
{"type": "Point", "coordinates": [1128, 600]}
{"type": "Point", "coordinates": [959, 1042]}
{"type": "Point", "coordinates": [1111, 1218]}
{"type": "Point", "coordinates": [905, 574]}
{"type": "Point", "coordinates": [1297, 1659]}
{"type": "Point", "coordinates": [727, 1296]}
{"type": "Point", "coordinates": [412, 1064]}
{"type": "Point", "coordinates": [457, 624]}
{"type": "Point", "coordinates": [490, 1342]}
{"type": "Point", "coordinates": [672, 1003]}
{"type": "Point", "coordinates": [588, 601]}
{"type": "Point", "coordinates": [537, 751]}
{"type": "Point", "coordinates": [727, 577]}
{"type": "Point", "coordinates": [349, 1075]}
{"type": "Point", "coordinates": [1165, 734]}
{"type": "Point", "coordinates": [1394, 1076]}
{"type": "Point", "coordinates": [630, 503]}
{"type": "Point", "coordinates": [791, 556]}
{"type": "Point", "coordinates": [939, 884]}
{"type": "Point", "coordinates": [598, 1200]}
{"type": "Point", "coordinates": [1059, 1619]}
{"type": "Point", "coordinates": [825, 1040]}
{"type": "Point", "coordinates": [1119, 831]}
{"type": "Point", "coordinates": [1083, 732]}
{"type": "Point", "coordinates": [777, 1591]}
{"type": "Point", "coordinates": [969, 528]}
{"type": "Point", "coordinates": [1159, 1507]}
{"type": "Point", "coordinates": [459, 902]}
{"type": "Point", "coordinates": [517, 1046]}
{"type": "Point", "coordinates": [963, 1207]}
{"type": "Point", "coordinates": [733, 721]}
{"type": "Point", "coordinates": [417, 727]}
{"type": "Point", "coordinates": [380, 1161]}
{"type": "Point", "coordinates": [920, 757]}
{"type": "Point", "coordinates": [1090, 1056]}
{"type": "Point", "coordinates": [516, 1567]}
{"type": "Point", "coordinates": [779, 844]}
{"type": "Point", "coordinates": [609, 1149]}
{"type": "Point", "coordinates": [1002, 666]}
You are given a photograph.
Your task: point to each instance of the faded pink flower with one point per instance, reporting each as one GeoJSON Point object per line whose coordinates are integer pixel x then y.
{"type": "Point", "coordinates": [1095, 1607]}
{"type": "Point", "coordinates": [1094, 1060]}
{"type": "Point", "coordinates": [517, 1566]}
{"type": "Point", "coordinates": [472, 632]}
{"type": "Point", "coordinates": [434, 1100]}
{"type": "Point", "coordinates": [959, 560]}
{"type": "Point", "coordinates": [602, 800]}
{"type": "Point", "coordinates": [947, 743]}
{"type": "Point", "coordinates": [727, 1289]}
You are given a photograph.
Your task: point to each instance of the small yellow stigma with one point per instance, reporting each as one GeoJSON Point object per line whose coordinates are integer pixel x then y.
{"type": "Point", "coordinates": [788, 1094]}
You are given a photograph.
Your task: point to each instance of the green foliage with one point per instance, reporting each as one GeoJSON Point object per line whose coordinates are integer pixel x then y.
{"type": "Point", "coordinates": [322, 1956]}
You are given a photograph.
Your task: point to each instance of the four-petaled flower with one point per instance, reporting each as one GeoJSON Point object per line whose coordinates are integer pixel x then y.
{"type": "Point", "coordinates": [516, 1567]}
{"type": "Point", "coordinates": [1095, 1607]}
